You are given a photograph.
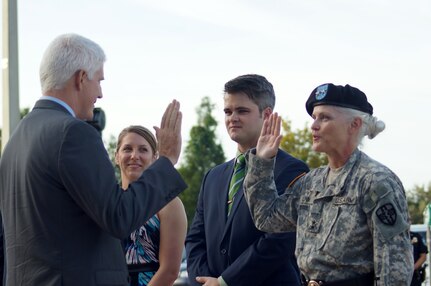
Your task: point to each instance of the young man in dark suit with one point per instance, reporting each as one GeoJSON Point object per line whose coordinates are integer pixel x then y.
{"type": "Point", "coordinates": [223, 246]}
{"type": "Point", "coordinates": [63, 211]}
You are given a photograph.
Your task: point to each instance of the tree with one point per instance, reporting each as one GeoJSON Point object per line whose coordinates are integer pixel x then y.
{"type": "Point", "coordinates": [111, 146]}
{"type": "Point", "coordinates": [201, 153]}
{"type": "Point", "coordinates": [298, 143]}
{"type": "Point", "coordinates": [417, 200]}
{"type": "Point", "coordinates": [23, 112]}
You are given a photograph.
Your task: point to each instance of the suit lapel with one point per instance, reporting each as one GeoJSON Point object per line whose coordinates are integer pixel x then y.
{"type": "Point", "coordinates": [223, 188]}
{"type": "Point", "coordinates": [240, 194]}
{"type": "Point", "coordinates": [236, 202]}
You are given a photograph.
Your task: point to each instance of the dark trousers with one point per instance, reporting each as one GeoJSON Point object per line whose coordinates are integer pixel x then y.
{"type": "Point", "coordinates": [416, 280]}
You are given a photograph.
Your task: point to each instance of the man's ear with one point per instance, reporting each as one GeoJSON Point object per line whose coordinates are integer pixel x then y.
{"type": "Point", "coordinates": [267, 112]}
{"type": "Point", "coordinates": [79, 79]}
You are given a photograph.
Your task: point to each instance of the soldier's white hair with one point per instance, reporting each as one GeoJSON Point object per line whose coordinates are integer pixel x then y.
{"type": "Point", "coordinates": [371, 125]}
{"type": "Point", "coordinates": [65, 55]}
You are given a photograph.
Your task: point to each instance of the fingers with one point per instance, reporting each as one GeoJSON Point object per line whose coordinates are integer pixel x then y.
{"type": "Point", "coordinates": [157, 130]}
{"type": "Point", "coordinates": [174, 118]}
{"type": "Point", "coordinates": [277, 125]}
{"type": "Point", "coordinates": [169, 133]}
{"type": "Point", "coordinates": [273, 119]}
{"type": "Point", "coordinates": [278, 140]}
{"type": "Point", "coordinates": [174, 114]}
{"type": "Point", "coordinates": [202, 279]}
{"type": "Point", "coordinates": [178, 121]}
{"type": "Point", "coordinates": [165, 115]}
{"type": "Point", "coordinates": [265, 126]}
{"type": "Point", "coordinates": [271, 125]}
{"type": "Point", "coordinates": [170, 117]}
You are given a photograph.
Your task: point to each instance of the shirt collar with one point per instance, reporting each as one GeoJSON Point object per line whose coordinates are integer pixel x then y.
{"type": "Point", "coordinates": [59, 101]}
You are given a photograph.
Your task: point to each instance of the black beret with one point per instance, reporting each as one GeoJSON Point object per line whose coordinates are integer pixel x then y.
{"type": "Point", "coordinates": [338, 95]}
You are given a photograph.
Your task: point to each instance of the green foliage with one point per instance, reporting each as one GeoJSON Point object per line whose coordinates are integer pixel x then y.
{"type": "Point", "coordinates": [111, 147]}
{"type": "Point", "coordinates": [417, 200]}
{"type": "Point", "coordinates": [201, 153]}
{"type": "Point", "coordinates": [298, 143]}
{"type": "Point", "coordinates": [23, 112]}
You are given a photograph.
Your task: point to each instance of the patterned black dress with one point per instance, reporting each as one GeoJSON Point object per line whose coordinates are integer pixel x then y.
{"type": "Point", "coordinates": [142, 252]}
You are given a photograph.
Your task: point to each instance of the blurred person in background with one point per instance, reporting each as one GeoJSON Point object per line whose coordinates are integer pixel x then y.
{"type": "Point", "coordinates": [419, 257]}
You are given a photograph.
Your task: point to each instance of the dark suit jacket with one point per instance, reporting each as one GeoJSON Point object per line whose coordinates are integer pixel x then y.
{"type": "Point", "coordinates": [233, 247]}
{"type": "Point", "coordinates": [63, 211]}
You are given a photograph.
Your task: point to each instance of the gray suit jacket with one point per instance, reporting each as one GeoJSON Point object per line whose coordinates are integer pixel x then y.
{"type": "Point", "coordinates": [63, 211]}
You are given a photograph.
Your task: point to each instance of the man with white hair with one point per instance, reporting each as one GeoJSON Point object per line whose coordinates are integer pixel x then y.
{"type": "Point", "coordinates": [63, 211]}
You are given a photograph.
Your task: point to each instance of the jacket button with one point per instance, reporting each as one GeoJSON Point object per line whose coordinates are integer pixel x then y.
{"type": "Point", "coordinates": [223, 251]}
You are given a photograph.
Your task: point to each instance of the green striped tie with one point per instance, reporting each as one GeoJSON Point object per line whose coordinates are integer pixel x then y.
{"type": "Point", "coordinates": [237, 178]}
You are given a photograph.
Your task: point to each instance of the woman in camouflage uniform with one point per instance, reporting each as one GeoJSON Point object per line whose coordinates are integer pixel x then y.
{"type": "Point", "coordinates": [351, 216]}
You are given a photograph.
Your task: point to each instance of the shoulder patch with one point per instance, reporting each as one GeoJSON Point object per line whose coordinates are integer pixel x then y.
{"type": "Point", "coordinates": [387, 214]}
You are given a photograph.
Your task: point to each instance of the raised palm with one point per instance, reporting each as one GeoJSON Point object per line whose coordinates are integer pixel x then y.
{"type": "Point", "coordinates": [270, 138]}
{"type": "Point", "coordinates": [169, 133]}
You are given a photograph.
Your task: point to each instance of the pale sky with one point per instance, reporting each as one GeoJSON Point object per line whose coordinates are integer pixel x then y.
{"type": "Point", "coordinates": [161, 50]}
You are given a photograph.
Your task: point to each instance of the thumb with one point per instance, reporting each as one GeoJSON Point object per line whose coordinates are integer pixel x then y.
{"type": "Point", "coordinates": [156, 129]}
{"type": "Point", "coordinates": [200, 279]}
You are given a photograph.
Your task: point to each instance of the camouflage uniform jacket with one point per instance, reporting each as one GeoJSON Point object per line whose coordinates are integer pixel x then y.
{"type": "Point", "coordinates": [357, 225]}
